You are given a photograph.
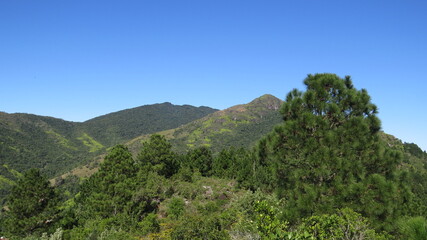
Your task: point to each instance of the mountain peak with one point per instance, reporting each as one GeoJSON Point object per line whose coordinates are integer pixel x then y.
{"type": "Point", "coordinates": [229, 127]}
{"type": "Point", "coordinates": [267, 101]}
{"type": "Point", "coordinates": [268, 96]}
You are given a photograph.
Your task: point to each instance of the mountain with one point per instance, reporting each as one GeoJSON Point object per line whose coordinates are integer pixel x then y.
{"type": "Point", "coordinates": [31, 141]}
{"type": "Point", "coordinates": [56, 146]}
{"type": "Point", "coordinates": [124, 125]}
{"type": "Point", "coordinates": [47, 143]}
{"type": "Point", "coordinates": [52, 144]}
{"type": "Point", "coordinates": [238, 126]}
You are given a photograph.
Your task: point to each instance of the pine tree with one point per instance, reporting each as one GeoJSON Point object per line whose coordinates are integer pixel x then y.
{"type": "Point", "coordinates": [31, 205]}
{"type": "Point", "coordinates": [157, 155]}
{"type": "Point", "coordinates": [327, 153]}
{"type": "Point", "coordinates": [108, 193]}
{"type": "Point", "coordinates": [200, 158]}
{"type": "Point", "coordinates": [223, 164]}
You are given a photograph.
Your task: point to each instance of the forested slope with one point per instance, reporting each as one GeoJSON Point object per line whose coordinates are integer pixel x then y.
{"type": "Point", "coordinates": [42, 142]}
{"type": "Point", "coordinates": [238, 126]}
{"type": "Point", "coordinates": [124, 125]}
{"type": "Point", "coordinates": [55, 146]}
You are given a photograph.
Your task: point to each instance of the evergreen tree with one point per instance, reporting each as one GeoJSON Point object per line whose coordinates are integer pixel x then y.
{"type": "Point", "coordinates": [223, 164]}
{"type": "Point", "coordinates": [157, 155]}
{"type": "Point", "coordinates": [200, 158]}
{"type": "Point", "coordinates": [108, 193]}
{"type": "Point", "coordinates": [327, 153]}
{"type": "Point", "coordinates": [236, 164]}
{"type": "Point", "coordinates": [31, 205]}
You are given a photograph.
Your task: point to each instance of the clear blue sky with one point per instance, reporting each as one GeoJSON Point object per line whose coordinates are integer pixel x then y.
{"type": "Point", "coordinates": [79, 59]}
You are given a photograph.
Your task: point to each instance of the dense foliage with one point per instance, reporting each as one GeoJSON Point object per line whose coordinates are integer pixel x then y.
{"type": "Point", "coordinates": [327, 154]}
{"type": "Point", "coordinates": [49, 144]}
{"type": "Point", "coordinates": [32, 205]}
{"type": "Point", "coordinates": [325, 172]}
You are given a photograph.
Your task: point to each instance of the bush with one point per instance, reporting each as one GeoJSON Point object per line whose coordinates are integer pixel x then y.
{"type": "Point", "coordinates": [176, 207]}
{"type": "Point", "coordinates": [112, 233]}
{"type": "Point", "coordinates": [414, 228]}
{"type": "Point", "coordinates": [346, 225]}
{"type": "Point", "coordinates": [149, 224]}
{"type": "Point", "coordinates": [196, 227]}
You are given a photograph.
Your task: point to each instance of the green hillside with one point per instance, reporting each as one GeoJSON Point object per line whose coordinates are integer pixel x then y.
{"type": "Point", "coordinates": [29, 141]}
{"type": "Point", "coordinates": [47, 143]}
{"type": "Point", "coordinates": [55, 146]}
{"type": "Point", "coordinates": [238, 126]}
{"type": "Point", "coordinates": [8, 179]}
{"type": "Point", "coordinates": [127, 124]}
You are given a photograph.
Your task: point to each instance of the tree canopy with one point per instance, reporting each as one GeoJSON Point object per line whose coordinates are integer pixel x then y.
{"type": "Point", "coordinates": [157, 154]}
{"type": "Point", "coordinates": [32, 205]}
{"type": "Point", "coordinates": [327, 153]}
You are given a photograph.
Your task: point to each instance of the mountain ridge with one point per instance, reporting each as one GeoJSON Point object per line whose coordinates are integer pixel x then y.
{"type": "Point", "coordinates": [121, 126]}
{"type": "Point", "coordinates": [56, 146]}
{"type": "Point", "coordinates": [241, 125]}
{"type": "Point", "coordinates": [237, 126]}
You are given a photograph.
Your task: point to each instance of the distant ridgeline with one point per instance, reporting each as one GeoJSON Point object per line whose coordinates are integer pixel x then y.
{"type": "Point", "coordinates": [238, 126]}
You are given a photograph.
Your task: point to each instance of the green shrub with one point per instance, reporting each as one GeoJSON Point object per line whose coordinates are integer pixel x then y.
{"type": "Point", "coordinates": [176, 207]}
{"type": "Point", "coordinates": [346, 224]}
{"type": "Point", "coordinates": [112, 233]}
{"type": "Point", "coordinates": [414, 228]}
{"type": "Point", "coordinates": [149, 224]}
{"type": "Point", "coordinates": [197, 227]}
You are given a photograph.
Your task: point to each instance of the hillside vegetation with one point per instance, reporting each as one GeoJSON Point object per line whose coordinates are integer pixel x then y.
{"type": "Point", "coordinates": [34, 141]}
{"type": "Point", "coordinates": [326, 171]}
{"type": "Point", "coordinates": [125, 125]}
{"type": "Point", "coordinates": [237, 126]}
{"type": "Point", "coordinates": [55, 146]}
